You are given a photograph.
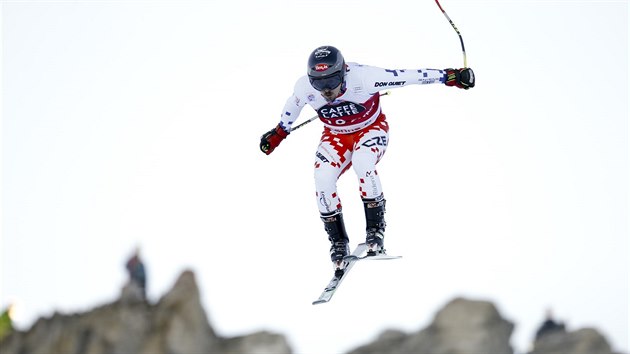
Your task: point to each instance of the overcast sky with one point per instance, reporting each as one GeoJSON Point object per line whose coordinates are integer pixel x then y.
{"type": "Point", "coordinates": [137, 123]}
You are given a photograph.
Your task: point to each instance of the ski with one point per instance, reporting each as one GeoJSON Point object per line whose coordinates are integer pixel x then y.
{"type": "Point", "coordinates": [371, 258]}
{"type": "Point", "coordinates": [335, 282]}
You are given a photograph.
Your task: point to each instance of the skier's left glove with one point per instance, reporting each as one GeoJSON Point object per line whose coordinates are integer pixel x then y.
{"type": "Point", "coordinates": [271, 139]}
{"type": "Point", "coordinates": [462, 78]}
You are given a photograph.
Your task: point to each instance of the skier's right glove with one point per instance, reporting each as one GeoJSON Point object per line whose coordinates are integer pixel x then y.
{"type": "Point", "coordinates": [271, 139]}
{"type": "Point", "coordinates": [462, 78]}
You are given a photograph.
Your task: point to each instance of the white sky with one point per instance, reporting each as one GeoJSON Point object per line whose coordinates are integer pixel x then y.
{"type": "Point", "coordinates": [138, 122]}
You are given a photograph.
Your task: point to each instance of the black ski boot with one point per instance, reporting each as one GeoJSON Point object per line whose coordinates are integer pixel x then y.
{"type": "Point", "coordinates": [334, 226]}
{"type": "Point", "coordinates": [375, 225]}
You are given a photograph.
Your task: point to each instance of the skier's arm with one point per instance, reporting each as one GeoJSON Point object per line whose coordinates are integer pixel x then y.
{"type": "Point", "coordinates": [292, 108]}
{"type": "Point", "coordinates": [378, 79]}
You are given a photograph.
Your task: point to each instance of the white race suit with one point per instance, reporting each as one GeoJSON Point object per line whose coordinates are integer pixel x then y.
{"type": "Point", "coordinates": [355, 129]}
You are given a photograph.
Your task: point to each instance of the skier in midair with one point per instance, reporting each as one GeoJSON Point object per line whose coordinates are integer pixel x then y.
{"type": "Point", "coordinates": [346, 98]}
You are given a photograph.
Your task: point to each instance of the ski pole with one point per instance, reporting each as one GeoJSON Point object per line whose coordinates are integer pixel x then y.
{"type": "Point", "coordinates": [315, 117]}
{"type": "Point", "coordinates": [304, 123]}
{"type": "Point", "coordinates": [461, 40]}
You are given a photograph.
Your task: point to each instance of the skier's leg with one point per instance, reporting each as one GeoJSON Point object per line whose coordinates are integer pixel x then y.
{"type": "Point", "coordinates": [331, 160]}
{"type": "Point", "coordinates": [369, 149]}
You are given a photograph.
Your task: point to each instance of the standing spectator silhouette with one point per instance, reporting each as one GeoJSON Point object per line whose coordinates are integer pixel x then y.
{"type": "Point", "coordinates": [137, 272]}
{"type": "Point", "coordinates": [549, 325]}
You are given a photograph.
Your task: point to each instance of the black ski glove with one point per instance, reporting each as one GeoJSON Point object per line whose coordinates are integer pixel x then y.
{"type": "Point", "coordinates": [462, 78]}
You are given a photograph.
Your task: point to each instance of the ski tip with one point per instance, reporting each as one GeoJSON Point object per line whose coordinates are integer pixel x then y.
{"type": "Point", "coordinates": [317, 302]}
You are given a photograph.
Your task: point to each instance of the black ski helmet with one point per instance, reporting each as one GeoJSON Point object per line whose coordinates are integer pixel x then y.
{"type": "Point", "coordinates": [326, 67]}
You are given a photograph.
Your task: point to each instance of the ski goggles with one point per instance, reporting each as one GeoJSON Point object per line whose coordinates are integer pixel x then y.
{"type": "Point", "coordinates": [328, 82]}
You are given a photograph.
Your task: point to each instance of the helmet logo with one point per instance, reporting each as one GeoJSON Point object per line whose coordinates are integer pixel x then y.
{"type": "Point", "coordinates": [321, 52]}
{"type": "Point", "coordinates": [321, 67]}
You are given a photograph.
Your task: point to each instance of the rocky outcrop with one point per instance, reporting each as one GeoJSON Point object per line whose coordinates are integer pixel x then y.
{"type": "Point", "coordinates": [461, 327]}
{"type": "Point", "coordinates": [176, 324]}
{"type": "Point", "coordinates": [257, 343]}
{"type": "Point", "coordinates": [476, 327]}
{"type": "Point", "coordinates": [583, 341]}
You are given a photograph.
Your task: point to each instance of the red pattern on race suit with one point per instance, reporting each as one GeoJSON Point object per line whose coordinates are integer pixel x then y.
{"type": "Point", "coordinates": [342, 143]}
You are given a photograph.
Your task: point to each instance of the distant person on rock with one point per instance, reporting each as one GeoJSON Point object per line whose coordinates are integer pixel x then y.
{"type": "Point", "coordinates": [549, 325]}
{"type": "Point", "coordinates": [137, 272]}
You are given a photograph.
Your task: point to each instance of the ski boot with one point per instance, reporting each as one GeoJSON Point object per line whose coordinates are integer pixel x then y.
{"type": "Point", "coordinates": [336, 230]}
{"type": "Point", "coordinates": [375, 225]}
